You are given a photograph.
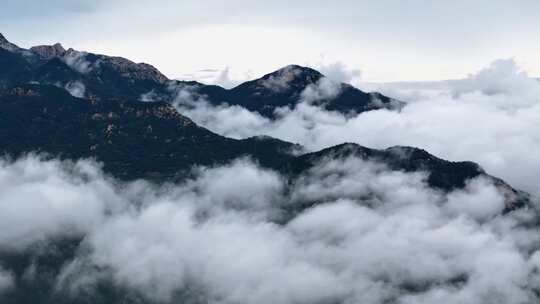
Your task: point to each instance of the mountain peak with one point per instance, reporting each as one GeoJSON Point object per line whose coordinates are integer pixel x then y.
{"type": "Point", "coordinates": [299, 70]}
{"type": "Point", "coordinates": [49, 51]}
{"type": "Point", "coordinates": [3, 39]}
{"type": "Point", "coordinates": [289, 77]}
{"type": "Point", "coordinates": [296, 71]}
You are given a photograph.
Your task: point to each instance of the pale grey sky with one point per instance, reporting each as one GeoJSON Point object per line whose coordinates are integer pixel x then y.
{"type": "Point", "coordinates": [389, 40]}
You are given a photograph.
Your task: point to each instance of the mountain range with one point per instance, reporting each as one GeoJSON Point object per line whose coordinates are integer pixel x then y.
{"type": "Point", "coordinates": [136, 138]}
{"type": "Point", "coordinates": [69, 104]}
{"type": "Point", "coordinates": [97, 76]}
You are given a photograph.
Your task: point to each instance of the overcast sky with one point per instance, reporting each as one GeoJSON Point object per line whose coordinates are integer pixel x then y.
{"type": "Point", "coordinates": [387, 40]}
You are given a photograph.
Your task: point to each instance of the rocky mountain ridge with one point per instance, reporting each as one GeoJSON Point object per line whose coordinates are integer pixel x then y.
{"type": "Point", "coordinates": [100, 76]}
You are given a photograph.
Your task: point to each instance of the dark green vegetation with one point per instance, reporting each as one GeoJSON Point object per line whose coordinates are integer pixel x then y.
{"type": "Point", "coordinates": [133, 139]}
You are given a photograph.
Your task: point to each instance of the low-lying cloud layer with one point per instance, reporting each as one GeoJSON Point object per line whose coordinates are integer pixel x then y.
{"type": "Point", "coordinates": [242, 234]}
{"type": "Point", "coordinates": [6, 281]}
{"type": "Point", "coordinates": [490, 118]}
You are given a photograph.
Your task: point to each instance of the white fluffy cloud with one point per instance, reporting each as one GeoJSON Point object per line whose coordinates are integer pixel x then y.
{"type": "Point", "coordinates": [233, 235]}
{"type": "Point", "coordinates": [339, 72]}
{"type": "Point", "coordinates": [43, 199]}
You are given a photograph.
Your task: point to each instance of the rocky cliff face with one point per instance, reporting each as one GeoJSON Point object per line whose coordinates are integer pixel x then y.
{"type": "Point", "coordinates": [101, 76]}
{"type": "Point", "coordinates": [49, 51]}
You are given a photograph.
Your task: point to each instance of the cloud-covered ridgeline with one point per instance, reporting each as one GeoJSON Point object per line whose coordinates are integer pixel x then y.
{"type": "Point", "coordinates": [242, 234]}
{"type": "Point", "coordinates": [490, 118]}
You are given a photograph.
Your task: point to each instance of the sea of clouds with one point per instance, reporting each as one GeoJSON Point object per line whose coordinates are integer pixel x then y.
{"type": "Point", "coordinates": [346, 231]}
{"type": "Point", "coordinates": [242, 234]}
